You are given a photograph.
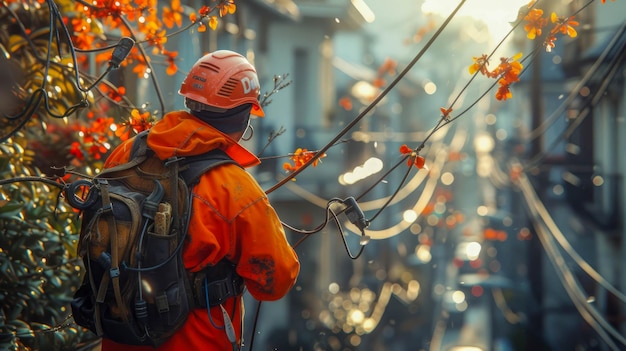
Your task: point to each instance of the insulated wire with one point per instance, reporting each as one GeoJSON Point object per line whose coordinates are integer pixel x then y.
{"type": "Point", "coordinates": [540, 130]}
{"type": "Point", "coordinates": [365, 111]}
{"type": "Point", "coordinates": [424, 197]}
{"type": "Point", "coordinates": [588, 312]}
{"type": "Point", "coordinates": [608, 76]}
{"type": "Point", "coordinates": [458, 140]}
{"type": "Point", "coordinates": [403, 190]}
{"type": "Point", "coordinates": [153, 77]}
{"type": "Point", "coordinates": [543, 213]}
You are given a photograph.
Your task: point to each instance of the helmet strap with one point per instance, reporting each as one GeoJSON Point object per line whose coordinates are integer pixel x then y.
{"type": "Point", "coordinates": [245, 137]}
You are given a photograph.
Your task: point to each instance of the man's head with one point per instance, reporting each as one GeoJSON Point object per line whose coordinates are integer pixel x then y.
{"type": "Point", "coordinates": [223, 89]}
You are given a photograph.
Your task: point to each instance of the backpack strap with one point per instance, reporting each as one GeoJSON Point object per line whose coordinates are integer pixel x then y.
{"type": "Point", "coordinates": [138, 153]}
{"type": "Point", "coordinates": [193, 167]}
{"type": "Point", "coordinates": [214, 284]}
{"type": "Point", "coordinates": [223, 281]}
{"type": "Point", "coordinates": [140, 145]}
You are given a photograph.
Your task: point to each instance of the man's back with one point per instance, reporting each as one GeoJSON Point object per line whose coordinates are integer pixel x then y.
{"type": "Point", "coordinates": [231, 219]}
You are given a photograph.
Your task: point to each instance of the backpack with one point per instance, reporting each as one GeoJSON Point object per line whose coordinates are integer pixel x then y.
{"type": "Point", "coordinates": [136, 289]}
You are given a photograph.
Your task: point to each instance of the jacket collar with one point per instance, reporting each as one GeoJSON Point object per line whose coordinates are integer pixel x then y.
{"type": "Point", "coordinates": [181, 134]}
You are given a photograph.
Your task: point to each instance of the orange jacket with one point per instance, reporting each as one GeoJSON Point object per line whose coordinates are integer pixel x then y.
{"type": "Point", "coordinates": [232, 218]}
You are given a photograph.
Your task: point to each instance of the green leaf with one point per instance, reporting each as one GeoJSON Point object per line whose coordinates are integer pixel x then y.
{"type": "Point", "coordinates": [11, 209]}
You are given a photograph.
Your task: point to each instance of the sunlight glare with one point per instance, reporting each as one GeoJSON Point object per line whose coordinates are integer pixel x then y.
{"type": "Point", "coordinates": [496, 14]}
{"type": "Point", "coordinates": [409, 216]}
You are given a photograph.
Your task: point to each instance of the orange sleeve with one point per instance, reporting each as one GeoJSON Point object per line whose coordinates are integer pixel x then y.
{"type": "Point", "coordinates": [266, 260]}
{"type": "Point", "coordinates": [234, 219]}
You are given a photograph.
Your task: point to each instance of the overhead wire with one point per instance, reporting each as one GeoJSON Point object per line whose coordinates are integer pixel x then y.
{"type": "Point", "coordinates": [375, 102]}
{"type": "Point", "coordinates": [553, 228]}
{"type": "Point", "coordinates": [420, 204]}
{"type": "Point", "coordinates": [575, 91]}
{"type": "Point", "coordinates": [357, 119]}
{"type": "Point", "coordinates": [403, 190]}
{"type": "Point", "coordinates": [320, 152]}
{"type": "Point", "coordinates": [437, 153]}
{"type": "Point", "coordinates": [608, 76]}
{"type": "Point", "coordinates": [588, 312]}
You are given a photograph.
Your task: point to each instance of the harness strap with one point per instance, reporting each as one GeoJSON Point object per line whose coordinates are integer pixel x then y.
{"type": "Point", "coordinates": [219, 289]}
{"type": "Point", "coordinates": [114, 272]}
{"type": "Point", "coordinates": [92, 283]}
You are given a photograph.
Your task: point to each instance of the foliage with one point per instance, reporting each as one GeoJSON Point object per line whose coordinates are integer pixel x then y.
{"type": "Point", "coordinates": [38, 263]}
{"type": "Point", "coordinates": [50, 47]}
{"type": "Point", "coordinates": [51, 101]}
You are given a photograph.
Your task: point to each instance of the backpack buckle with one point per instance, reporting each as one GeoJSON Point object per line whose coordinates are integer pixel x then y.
{"type": "Point", "coordinates": [114, 272]}
{"type": "Point", "coordinates": [216, 290]}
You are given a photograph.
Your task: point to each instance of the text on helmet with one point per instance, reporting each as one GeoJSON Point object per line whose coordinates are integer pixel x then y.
{"type": "Point", "coordinates": [249, 84]}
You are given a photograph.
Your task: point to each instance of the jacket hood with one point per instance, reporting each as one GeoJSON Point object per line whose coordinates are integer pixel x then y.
{"type": "Point", "coordinates": [181, 134]}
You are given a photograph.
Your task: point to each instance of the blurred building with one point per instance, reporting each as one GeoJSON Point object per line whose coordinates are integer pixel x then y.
{"type": "Point", "coordinates": [576, 125]}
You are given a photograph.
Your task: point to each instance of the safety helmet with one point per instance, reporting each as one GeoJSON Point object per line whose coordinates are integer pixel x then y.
{"type": "Point", "coordinates": [222, 80]}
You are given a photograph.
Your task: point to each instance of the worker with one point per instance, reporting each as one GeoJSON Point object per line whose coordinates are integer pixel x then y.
{"type": "Point", "coordinates": [232, 222]}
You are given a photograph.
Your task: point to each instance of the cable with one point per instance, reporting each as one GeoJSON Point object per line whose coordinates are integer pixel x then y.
{"type": "Point", "coordinates": [543, 213]}
{"type": "Point", "coordinates": [588, 312]}
{"type": "Point", "coordinates": [345, 242]}
{"type": "Point", "coordinates": [607, 78]}
{"type": "Point", "coordinates": [40, 94]}
{"type": "Point", "coordinates": [576, 90]}
{"type": "Point", "coordinates": [155, 82]}
{"type": "Point", "coordinates": [382, 208]}
{"type": "Point", "coordinates": [353, 212]}
{"type": "Point", "coordinates": [365, 111]}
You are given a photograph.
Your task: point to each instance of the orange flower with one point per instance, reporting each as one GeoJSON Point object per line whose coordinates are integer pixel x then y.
{"type": "Point", "coordinates": [445, 112]}
{"type": "Point", "coordinates": [204, 11]}
{"type": "Point", "coordinates": [564, 25]}
{"type": "Point", "coordinates": [405, 149]}
{"type": "Point", "coordinates": [345, 103]}
{"type": "Point", "coordinates": [213, 22]}
{"type": "Point", "coordinates": [508, 71]}
{"type": "Point", "coordinates": [76, 151]}
{"type": "Point", "coordinates": [379, 82]}
{"type": "Point", "coordinates": [388, 67]}
{"type": "Point", "coordinates": [299, 158]}
{"type": "Point", "coordinates": [140, 121]}
{"type": "Point", "coordinates": [504, 92]}
{"type": "Point", "coordinates": [480, 65]}
{"type": "Point", "coordinates": [419, 161]}
{"type": "Point", "coordinates": [414, 159]}
{"type": "Point", "coordinates": [550, 42]}
{"type": "Point", "coordinates": [173, 16]}
{"type": "Point", "coordinates": [536, 22]}
{"type": "Point", "coordinates": [227, 7]}
{"type": "Point", "coordinates": [113, 94]}
{"type": "Point", "coordinates": [141, 66]}
{"type": "Point", "coordinates": [170, 59]}
{"type": "Point", "coordinates": [137, 123]}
